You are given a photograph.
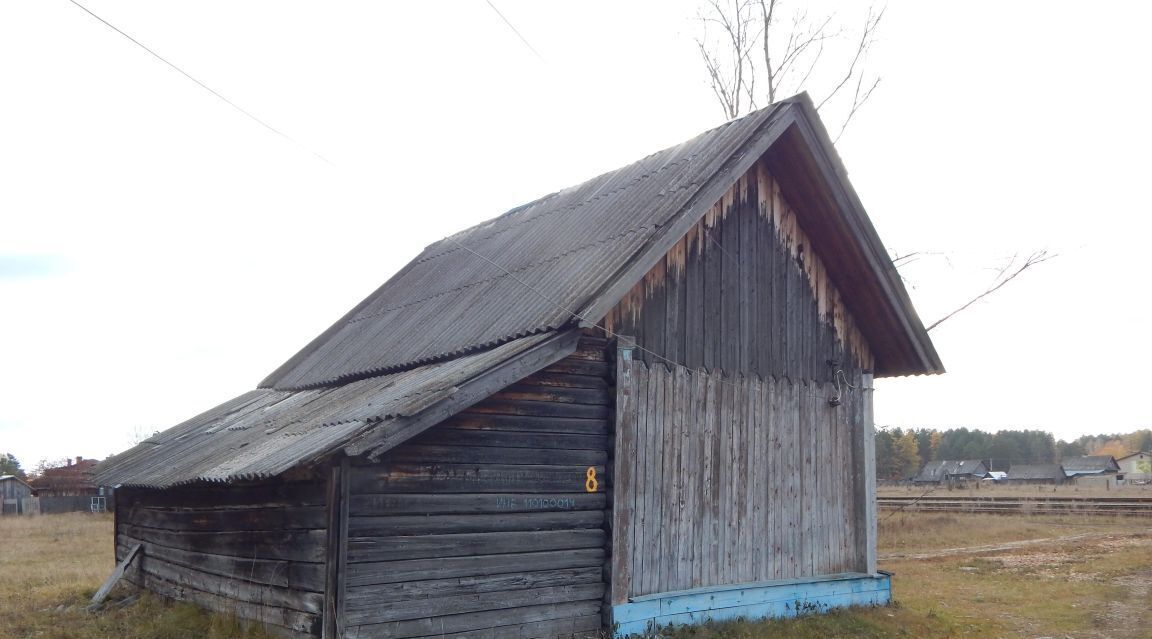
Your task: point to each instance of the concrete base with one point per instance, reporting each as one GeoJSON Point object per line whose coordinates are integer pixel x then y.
{"type": "Point", "coordinates": [782, 598]}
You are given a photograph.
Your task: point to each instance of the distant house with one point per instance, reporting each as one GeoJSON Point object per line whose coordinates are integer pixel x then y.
{"type": "Point", "coordinates": [13, 495]}
{"type": "Point", "coordinates": [1135, 468]}
{"type": "Point", "coordinates": [70, 488]}
{"type": "Point", "coordinates": [1090, 465]}
{"type": "Point", "coordinates": [71, 480]}
{"type": "Point", "coordinates": [1035, 474]}
{"type": "Point", "coordinates": [935, 472]}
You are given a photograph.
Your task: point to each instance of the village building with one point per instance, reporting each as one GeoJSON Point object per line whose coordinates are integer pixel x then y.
{"type": "Point", "coordinates": [935, 472]}
{"type": "Point", "coordinates": [72, 479]}
{"type": "Point", "coordinates": [1035, 474]}
{"type": "Point", "coordinates": [1091, 470]}
{"type": "Point", "coordinates": [1135, 468]}
{"type": "Point", "coordinates": [642, 400]}
{"type": "Point", "coordinates": [15, 495]}
{"type": "Point", "coordinates": [70, 487]}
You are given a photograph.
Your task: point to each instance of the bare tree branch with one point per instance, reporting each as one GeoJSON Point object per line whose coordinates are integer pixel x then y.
{"type": "Point", "coordinates": [766, 11]}
{"type": "Point", "coordinates": [1005, 275]}
{"type": "Point", "coordinates": [789, 62]}
{"type": "Point", "coordinates": [866, 40]}
{"type": "Point", "coordinates": [812, 67]}
{"type": "Point", "coordinates": [857, 102]}
{"type": "Point", "coordinates": [791, 53]}
{"type": "Point", "coordinates": [798, 43]}
{"type": "Point", "coordinates": [734, 78]}
{"type": "Point", "coordinates": [907, 258]}
{"type": "Point", "coordinates": [717, 83]}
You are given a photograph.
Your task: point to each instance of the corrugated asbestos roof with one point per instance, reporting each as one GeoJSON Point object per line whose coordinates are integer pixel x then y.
{"type": "Point", "coordinates": [940, 470]}
{"type": "Point", "coordinates": [1088, 464]}
{"type": "Point", "coordinates": [535, 267]}
{"type": "Point", "coordinates": [554, 256]}
{"type": "Point", "coordinates": [265, 432]}
{"type": "Point", "coordinates": [489, 294]}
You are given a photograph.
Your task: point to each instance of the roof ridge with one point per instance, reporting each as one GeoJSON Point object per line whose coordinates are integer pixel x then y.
{"type": "Point", "coordinates": [567, 208]}
{"type": "Point", "coordinates": [549, 196]}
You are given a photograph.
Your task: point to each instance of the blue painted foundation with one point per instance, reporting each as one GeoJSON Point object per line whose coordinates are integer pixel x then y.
{"type": "Point", "coordinates": [782, 598]}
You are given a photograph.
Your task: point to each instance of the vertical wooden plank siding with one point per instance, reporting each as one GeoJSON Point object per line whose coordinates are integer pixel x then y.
{"type": "Point", "coordinates": [744, 292]}
{"type": "Point", "coordinates": [335, 550]}
{"type": "Point", "coordinates": [865, 468]}
{"type": "Point", "coordinates": [745, 402]}
{"type": "Point", "coordinates": [493, 522]}
{"type": "Point", "coordinates": [624, 484]}
{"type": "Point", "coordinates": [744, 480]}
{"type": "Point", "coordinates": [793, 454]}
{"type": "Point", "coordinates": [774, 506]}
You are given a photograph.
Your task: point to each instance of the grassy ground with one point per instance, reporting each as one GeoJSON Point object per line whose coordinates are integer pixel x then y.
{"type": "Point", "coordinates": [51, 565]}
{"type": "Point", "coordinates": [1086, 579]}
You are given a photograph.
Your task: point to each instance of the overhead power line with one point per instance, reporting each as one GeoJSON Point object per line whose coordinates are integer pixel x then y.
{"type": "Point", "coordinates": [515, 30]}
{"type": "Point", "coordinates": [201, 84]}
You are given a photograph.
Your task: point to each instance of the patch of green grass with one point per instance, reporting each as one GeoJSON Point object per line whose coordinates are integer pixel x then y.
{"type": "Point", "coordinates": [145, 617]}
{"type": "Point", "coordinates": [886, 622]}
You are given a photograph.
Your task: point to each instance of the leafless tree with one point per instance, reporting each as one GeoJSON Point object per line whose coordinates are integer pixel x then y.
{"type": "Point", "coordinates": [753, 55]}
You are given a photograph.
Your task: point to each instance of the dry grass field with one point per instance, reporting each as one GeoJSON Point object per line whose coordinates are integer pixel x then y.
{"type": "Point", "coordinates": [51, 565]}
{"type": "Point", "coordinates": [957, 576]}
{"type": "Point", "coordinates": [993, 576]}
{"type": "Point", "coordinates": [989, 489]}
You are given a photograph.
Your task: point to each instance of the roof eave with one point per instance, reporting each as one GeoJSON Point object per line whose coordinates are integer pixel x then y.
{"type": "Point", "coordinates": [921, 358]}
{"type": "Point", "coordinates": [914, 353]}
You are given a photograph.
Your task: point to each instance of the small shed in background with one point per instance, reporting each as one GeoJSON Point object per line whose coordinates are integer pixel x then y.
{"type": "Point", "coordinates": [935, 472]}
{"type": "Point", "coordinates": [15, 495]}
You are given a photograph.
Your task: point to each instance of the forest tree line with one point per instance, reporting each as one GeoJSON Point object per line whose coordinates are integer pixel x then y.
{"type": "Point", "coordinates": [901, 453]}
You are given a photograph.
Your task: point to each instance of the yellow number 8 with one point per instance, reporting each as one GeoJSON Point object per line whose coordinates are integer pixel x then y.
{"type": "Point", "coordinates": [590, 483]}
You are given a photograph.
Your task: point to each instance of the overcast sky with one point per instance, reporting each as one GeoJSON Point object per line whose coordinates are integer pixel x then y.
{"type": "Point", "coordinates": [160, 252]}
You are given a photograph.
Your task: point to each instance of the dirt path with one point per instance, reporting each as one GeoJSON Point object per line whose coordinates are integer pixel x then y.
{"type": "Point", "coordinates": [1009, 545]}
{"type": "Point", "coordinates": [1128, 618]}
{"type": "Point", "coordinates": [1125, 614]}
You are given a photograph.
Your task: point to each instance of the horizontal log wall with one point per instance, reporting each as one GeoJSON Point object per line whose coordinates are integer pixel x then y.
{"type": "Point", "coordinates": [491, 524]}
{"type": "Point", "coordinates": [727, 479]}
{"type": "Point", "coordinates": [253, 551]}
{"type": "Point", "coordinates": [743, 291]}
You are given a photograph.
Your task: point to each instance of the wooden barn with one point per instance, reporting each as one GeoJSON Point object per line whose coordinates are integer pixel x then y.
{"type": "Point", "coordinates": [1035, 474]}
{"type": "Point", "coordinates": [15, 495]}
{"type": "Point", "coordinates": [1089, 466]}
{"type": "Point", "coordinates": [951, 470]}
{"type": "Point", "coordinates": [645, 399]}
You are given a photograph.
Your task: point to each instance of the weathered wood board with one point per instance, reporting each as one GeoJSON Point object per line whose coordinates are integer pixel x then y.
{"type": "Point", "coordinates": [492, 523]}
{"type": "Point", "coordinates": [256, 551]}
{"type": "Point", "coordinates": [756, 486]}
